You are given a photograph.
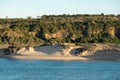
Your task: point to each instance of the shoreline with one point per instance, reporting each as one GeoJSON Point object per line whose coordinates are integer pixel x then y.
{"type": "Point", "coordinates": [64, 58]}
{"type": "Point", "coordinates": [26, 57]}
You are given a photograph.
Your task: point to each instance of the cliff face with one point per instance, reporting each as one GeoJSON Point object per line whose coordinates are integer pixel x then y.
{"type": "Point", "coordinates": [111, 31]}
{"type": "Point", "coordinates": [60, 34]}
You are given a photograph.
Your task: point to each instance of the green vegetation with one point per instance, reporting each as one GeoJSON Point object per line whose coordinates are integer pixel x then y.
{"type": "Point", "coordinates": [60, 29]}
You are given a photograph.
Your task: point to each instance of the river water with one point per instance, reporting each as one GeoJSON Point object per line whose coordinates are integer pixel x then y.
{"type": "Point", "coordinates": [58, 70]}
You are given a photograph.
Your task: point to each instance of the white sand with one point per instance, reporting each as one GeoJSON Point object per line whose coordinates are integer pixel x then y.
{"type": "Point", "coordinates": [47, 57]}
{"type": "Point", "coordinates": [53, 50]}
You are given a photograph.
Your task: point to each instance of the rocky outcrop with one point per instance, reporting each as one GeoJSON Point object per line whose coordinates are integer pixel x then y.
{"type": "Point", "coordinates": [95, 48]}
{"type": "Point", "coordinates": [111, 31]}
{"type": "Point", "coordinates": [20, 50]}
{"type": "Point", "coordinates": [25, 51]}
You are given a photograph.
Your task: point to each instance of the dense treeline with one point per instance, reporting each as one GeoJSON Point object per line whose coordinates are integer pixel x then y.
{"type": "Point", "coordinates": [60, 29]}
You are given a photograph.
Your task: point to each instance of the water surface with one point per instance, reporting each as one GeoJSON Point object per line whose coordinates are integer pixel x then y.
{"type": "Point", "coordinates": [58, 70]}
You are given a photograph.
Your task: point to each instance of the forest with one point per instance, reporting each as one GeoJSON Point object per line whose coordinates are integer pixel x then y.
{"type": "Point", "coordinates": [51, 29]}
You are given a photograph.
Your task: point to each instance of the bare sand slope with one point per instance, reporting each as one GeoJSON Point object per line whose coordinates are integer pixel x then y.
{"type": "Point", "coordinates": [50, 50]}
{"type": "Point", "coordinates": [54, 50]}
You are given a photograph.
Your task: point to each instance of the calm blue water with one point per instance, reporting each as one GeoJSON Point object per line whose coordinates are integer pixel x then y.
{"type": "Point", "coordinates": [58, 70]}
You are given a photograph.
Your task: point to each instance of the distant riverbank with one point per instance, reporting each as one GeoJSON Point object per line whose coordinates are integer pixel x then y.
{"type": "Point", "coordinates": [67, 52]}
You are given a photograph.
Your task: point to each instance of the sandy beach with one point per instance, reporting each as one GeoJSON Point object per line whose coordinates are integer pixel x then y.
{"type": "Point", "coordinates": [46, 57]}
{"type": "Point", "coordinates": [66, 58]}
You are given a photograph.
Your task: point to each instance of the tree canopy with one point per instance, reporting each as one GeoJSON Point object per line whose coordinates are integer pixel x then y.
{"type": "Point", "coordinates": [61, 29]}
